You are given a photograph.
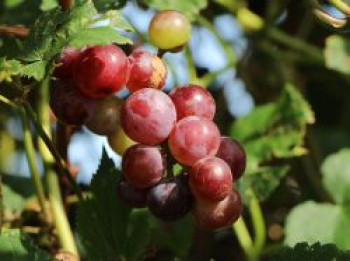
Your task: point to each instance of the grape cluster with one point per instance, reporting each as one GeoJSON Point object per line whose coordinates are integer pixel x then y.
{"type": "Point", "coordinates": [153, 130]}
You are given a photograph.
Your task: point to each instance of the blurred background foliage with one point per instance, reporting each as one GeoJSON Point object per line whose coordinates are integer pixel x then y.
{"type": "Point", "coordinates": [280, 76]}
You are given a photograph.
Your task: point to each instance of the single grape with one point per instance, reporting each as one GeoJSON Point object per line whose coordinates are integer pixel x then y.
{"type": "Point", "coordinates": [104, 118]}
{"type": "Point", "coordinates": [101, 71]}
{"type": "Point", "coordinates": [147, 71]}
{"type": "Point", "coordinates": [68, 104]}
{"type": "Point", "coordinates": [134, 197]}
{"type": "Point", "coordinates": [169, 30]}
{"type": "Point", "coordinates": [143, 166]}
{"type": "Point", "coordinates": [66, 63]}
{"type": "Point", "coordinates": [210, 179]}
{"type": "Point", "coordinates": [215, 215]}
{"type": "Point", "coordinates": [232, 152]}
{"type": "Point", "coordinates": [193, 100]}
{"type": "Point", "coordinates": [192, 139]}
{"type": "Point", "coordinates": [119, 141]}
{"type": "Point", "coordinates": [148, 116]}
{"type": "Point", "coordinates": [170, 199]}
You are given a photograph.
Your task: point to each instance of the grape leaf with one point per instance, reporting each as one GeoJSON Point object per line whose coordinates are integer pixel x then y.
{"type": "Point", "coordinates": [15, 245]}
{"type": "Point", "coordinates": [48, 4]}
{"type": "Point", "coordinates": [336, 176]}
{"type": "Point", "coordinates": [313, 222]}
{"type": "Point", "coordinates": [190, 8]}
{"type": "Point", "coordinates": [107, 227]}
{"type": "Point", "coordinates": [337, 52]}
{"type": "Point", "coordinates": [315, 252]}
{"type": "Point", "coordinates": [176, 236]}
{"type": "Point", "coordinates": [104, 5]}
{"type": "Point", "coordinates": [274, 130]}
{"type": "Point", "coordinates": [98, 36]}
{"type": "Point", "coordinates": [8, 68]}
{"type": "Point", "coordinates": [34, 70]}
{"type": "Point", "coordinates": [56, 29]}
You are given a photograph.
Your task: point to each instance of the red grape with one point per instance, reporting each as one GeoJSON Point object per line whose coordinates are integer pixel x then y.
{"type": "Point", "coordinates": [170, 199]}
{"type": "Point", "coordinates": [143, 166]}
{"type": "Point", "coordinates": [193, 100]}
{"type": "Point", "coordinates": [147, 71]}
{"type": "Point", "coordinates": [134, 197]}
{"type": "Point", "coordinates": [104, 118]}
{"type": "Point", "coordinates": [169, 30]}
{"type": "Point", "coordinates": [215, 215]}
{"type": "Point", "coordinates": [68, 104]}
{"type": "Point", "coordinates": [101, 71]}
{"type": "Point", "coordinates": [194, 138]}
{"type": "Point", "coordinates": [232, 152]}
{"type": "Point", "coordinates": [66, 63]}
{"type": "Point", "coordinates": [211, 179]}
{"type": "Point", "coordinates": [148, 116]}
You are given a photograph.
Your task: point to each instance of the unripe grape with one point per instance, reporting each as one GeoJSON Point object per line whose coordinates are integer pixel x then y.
{"type": "Point", "coordinates": [148, 116]}
{"type": "Point", "coordinates": [192, 139]}
{"type": "Point", "coordinates": [215, 215]}
{"type": "Point", "coordinates": [66, 63]}
{"type": "Point", "coordinates": [232, 152]}
{"type": "Point", "coordinates": [170, 199]}
{"type": "Point", "coordinates": [119, 141]}
{"type": "Point", "coordinates": [101, 71]}
{"type": "Point", "coordinates": [68, 104]}
{"type": "Point", "coordinates": [104, 118]}
{"type": "Point", "coordinates": [147, 71]}
{"type": "Point", "coordinates": [143, 166]}
{"type": "Point", "coordinates": [169, 30]}
{"type": "Point", "coordinates": [193, 100]}
{"type": "Point", "coordinates": [210, 179]}
{"type": "Point", "coordinates": [134, 197]}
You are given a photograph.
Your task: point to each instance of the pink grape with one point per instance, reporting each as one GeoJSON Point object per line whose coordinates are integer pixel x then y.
{"type": "Point", "coordinates": [215, 215]}
{"type": "Point", "coordinates": [143, 166]}
{"type": "Point", "coordinates": [148, 116]}
{"type": "Point", "coordinates": [192, 139]}
{"type": "Point", "coordinates": [232, 152]}
{"type": "Point", "coordinates": [193, 100]}
{"type": "Point", "coordinates": [134, 197]}
{"type": "Point", "coordinates": [66, 63]}
{"type": "Point", "coordinates": [147, 71]}
{"type": "Point", "coordinates": [210, 179]}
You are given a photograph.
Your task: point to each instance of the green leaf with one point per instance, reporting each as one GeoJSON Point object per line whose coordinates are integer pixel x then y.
{"type": "Point", "coordinates": [116, 20]}
{"type": "Point", "coordinates": [55, 30]}
{"type": "Point", "coordinates": [17, 246]}
{"type": "Point", "coordinates": [103, 219]}
{"type": "Point", "coordinates": [16, 191]}
{"type": "Point", "coordinates": [190, 8]}
{"type": "Point", "coordinates": [274, 130]}
{"type": "Point", "coordinates": [104, 5]}
{"type": "Point", "coordinates": [8, 68]}
{"type": "Point", "coordinates": [336, 176]}
{"type": "Point", "coordinates": [48, 5]}
{"type": "Point", "coordinates": [106, 226]}
{"type": "Point", "coordinates": [312, 222]}
{"type": "Point", "coordinates": [98, 36]}
{"type": "Point", "coordinates": [139, 235]}
{"type": "Point", "coordinates": [261, 181]}
{"type": "Point", "coordinates": [176, 237]}
{"type": "Point", "coordinates": [337, 53]}
{"type": "Point", "coordinates": [36, 70]}
{"type": "Point", "coordinates": [13, 3]}
{"type": "Point", "coordinates": [315, 252]}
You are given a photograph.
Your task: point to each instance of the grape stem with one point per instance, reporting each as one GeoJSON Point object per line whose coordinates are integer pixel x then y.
{"type": "Point", "coordinates": [60, 219]}
{"type": "Point", "coordinates": [252, 248]}
{"type": "Point", "coordinates": [32, 164]}
{"type": "Point", "coordinates": [47, 141]}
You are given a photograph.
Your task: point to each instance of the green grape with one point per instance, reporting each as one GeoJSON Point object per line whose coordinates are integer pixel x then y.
{"type": "Point", "coordinates": [169, 30]}
{"type": "Point", "coordinates": [119, 141]}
